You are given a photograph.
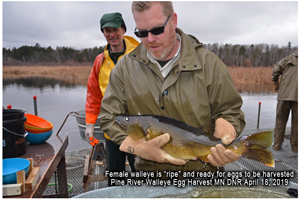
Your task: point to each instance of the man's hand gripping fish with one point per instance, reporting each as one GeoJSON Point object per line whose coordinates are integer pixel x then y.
{"type": "Point", "coordinates": [189, 143]}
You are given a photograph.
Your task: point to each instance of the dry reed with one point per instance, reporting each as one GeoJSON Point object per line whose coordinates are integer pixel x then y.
{"type": "Point", "coordinates": [240, 75]}
{"type": "Point", "coordinates": [251, 75]}
{"type": "Point", "coordinates": [67, 73]}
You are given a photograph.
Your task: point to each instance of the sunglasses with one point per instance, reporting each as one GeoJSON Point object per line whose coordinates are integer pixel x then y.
{"type": "Point", "coordinates": [154, 31]}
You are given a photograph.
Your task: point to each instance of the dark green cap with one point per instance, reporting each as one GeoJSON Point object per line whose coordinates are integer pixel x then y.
{"type": "Point", "coordinates": [112, 20]}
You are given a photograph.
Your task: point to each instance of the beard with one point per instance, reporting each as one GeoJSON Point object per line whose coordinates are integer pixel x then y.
{"type": "Point", "coordinates": [166, 48]}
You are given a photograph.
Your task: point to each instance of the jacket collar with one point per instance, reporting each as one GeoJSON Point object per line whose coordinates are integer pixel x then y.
{"type": "Point", "coordinates": [130, 44]}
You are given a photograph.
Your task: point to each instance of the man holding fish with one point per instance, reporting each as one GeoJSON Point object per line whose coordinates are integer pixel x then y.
{"type": "Point", "coordinates": [171, 74]}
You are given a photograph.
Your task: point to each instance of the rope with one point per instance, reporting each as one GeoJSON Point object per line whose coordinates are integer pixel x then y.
{"type": "Point", "coordinates": [66, 120]}
{"type": "Point", "coordinates": [71, 186]}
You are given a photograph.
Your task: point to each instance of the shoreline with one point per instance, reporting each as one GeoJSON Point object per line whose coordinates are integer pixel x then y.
{"type": "Point", "coordinates": [246, 76]}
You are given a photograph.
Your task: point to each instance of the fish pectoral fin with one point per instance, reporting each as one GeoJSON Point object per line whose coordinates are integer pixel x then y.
{"type": "Point", "coordinates": [203, 158]}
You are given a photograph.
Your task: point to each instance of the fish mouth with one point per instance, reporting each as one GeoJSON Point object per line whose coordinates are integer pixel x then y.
{"type": "Point", "coordinates": [120, 121]}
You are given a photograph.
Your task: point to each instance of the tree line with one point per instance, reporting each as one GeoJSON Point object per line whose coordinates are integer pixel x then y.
{"type": "Point", "coordinates": [232, 55]}
{"type": "Point", "coordinates": [251, 55]}
{"type": "Point", "coordinates": [38, 54]}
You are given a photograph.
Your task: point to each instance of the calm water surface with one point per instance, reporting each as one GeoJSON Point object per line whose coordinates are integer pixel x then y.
{"type": "Point", "coordinates": [56, 99]}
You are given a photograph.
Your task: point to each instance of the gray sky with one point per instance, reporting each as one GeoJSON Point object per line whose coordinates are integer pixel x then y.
{"type": "Point", "coordinates": [76, 24]}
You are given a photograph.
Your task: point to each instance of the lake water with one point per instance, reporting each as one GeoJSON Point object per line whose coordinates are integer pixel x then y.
{"type": "Point", "coordinates": [56, 99]}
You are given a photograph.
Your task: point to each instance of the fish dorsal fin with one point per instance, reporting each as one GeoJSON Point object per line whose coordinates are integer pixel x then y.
{"type": "Point", "coordinates": [199, 131]}
{"type": "Point", "coordinates": [181, 125]}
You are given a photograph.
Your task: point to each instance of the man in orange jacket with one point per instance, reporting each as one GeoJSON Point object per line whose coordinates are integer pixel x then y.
{"type": "Point", "coordinates": [113, 28]}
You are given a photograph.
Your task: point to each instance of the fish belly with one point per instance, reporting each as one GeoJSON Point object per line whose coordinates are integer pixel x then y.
{"type": "Point", "coordinates": [187, 151]}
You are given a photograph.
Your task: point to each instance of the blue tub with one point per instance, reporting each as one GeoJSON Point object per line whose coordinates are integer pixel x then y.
{"type": "Point", "coordinates": [10, 168]}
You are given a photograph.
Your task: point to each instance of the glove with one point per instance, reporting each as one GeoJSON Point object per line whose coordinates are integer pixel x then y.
{"type": "Point", "coordinates": [219, 155]}
{"type": "Point", "coordinates": [150, 150]}
{"type": "Point", "coordinates": [276, 86]}
{"type": "Point", "coordinates": [89, 134]}
{"type": "Point", "coordinates": [225, 131]}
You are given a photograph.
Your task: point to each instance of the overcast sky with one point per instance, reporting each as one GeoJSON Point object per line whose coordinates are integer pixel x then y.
{"type": "Point", "coordinates": [76, 24]}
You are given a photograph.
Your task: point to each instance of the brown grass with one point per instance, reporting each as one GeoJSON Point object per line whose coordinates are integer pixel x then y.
{"type": "Point", "coordinates": [240, 75]}
{"type": "Point", "coordinates": [251, 75]}
{"type": "Point", "coordinates": [76, 74]}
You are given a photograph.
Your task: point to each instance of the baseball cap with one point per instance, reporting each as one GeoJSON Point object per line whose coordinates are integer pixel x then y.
{"type": "Point", "coordinates": [112, 20]}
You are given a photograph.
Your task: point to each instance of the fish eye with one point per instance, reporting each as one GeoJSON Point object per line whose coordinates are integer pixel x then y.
{"type": "Point", "coordinates": [126, 118]}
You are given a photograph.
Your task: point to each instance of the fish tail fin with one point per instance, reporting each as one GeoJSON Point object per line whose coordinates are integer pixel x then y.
{"type": "Point", "coordinates": [135, 132]}
{"type": "Point", "coordinates": [260, 155]}
{"type": "Point", "coordinates": [255, 147]}
{"type": "Point", "coordinates": [263, 139]}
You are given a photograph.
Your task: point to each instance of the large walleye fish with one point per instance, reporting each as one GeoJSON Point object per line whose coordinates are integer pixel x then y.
{"type": "Point", "coordinates": [190, 143]}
